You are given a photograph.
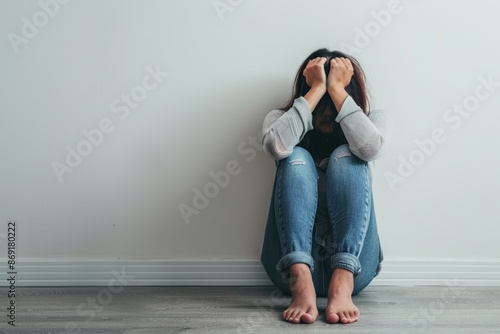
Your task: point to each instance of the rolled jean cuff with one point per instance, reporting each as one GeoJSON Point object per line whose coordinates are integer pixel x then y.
{"type": "Point", "coordinates": [346, 261]}
{"type": "Point", "coordinates": [291, 258]}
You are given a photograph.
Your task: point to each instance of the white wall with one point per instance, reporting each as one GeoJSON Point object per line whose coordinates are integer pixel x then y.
{"type": "Point", "coordinates": [225, 72]}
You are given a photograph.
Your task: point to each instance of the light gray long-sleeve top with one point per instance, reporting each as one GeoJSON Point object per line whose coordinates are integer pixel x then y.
{"type": "Point", "coordinates": [367, 136]}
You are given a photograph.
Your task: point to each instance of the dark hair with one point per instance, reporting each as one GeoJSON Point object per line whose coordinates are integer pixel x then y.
{"type": "Point", "coordinates": [320, 145]}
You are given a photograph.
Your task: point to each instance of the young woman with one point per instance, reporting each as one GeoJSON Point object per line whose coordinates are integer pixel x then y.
{"type": "Point", "coordinates": [321, 235]}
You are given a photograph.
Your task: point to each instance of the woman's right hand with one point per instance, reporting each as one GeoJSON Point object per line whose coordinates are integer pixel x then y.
{"type": "Point", "coordinates": [316, 79]}
{"type": "Point", "coordinates": [315, 73]}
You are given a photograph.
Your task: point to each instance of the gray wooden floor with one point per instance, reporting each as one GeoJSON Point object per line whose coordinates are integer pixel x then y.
{"type": "Point", "coordinates": [384, 309]}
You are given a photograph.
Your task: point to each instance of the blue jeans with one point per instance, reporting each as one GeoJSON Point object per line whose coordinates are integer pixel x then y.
{"type": "Point", "coordinates": [323, 219]}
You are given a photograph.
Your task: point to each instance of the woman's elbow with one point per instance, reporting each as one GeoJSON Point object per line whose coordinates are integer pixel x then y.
{"type": "Point", "coordinates": [371, 151]}
{"type": "Point", "coordinates": [271, 149]}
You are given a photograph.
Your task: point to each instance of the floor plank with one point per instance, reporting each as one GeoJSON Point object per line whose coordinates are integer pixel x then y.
{"type": "Point", "coordinates": [134, 310]}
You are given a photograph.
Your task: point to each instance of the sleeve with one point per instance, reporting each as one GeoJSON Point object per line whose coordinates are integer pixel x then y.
{"type": "Point", "coordinates": [368, 136]}
{"type": "Point", "coordinates": [283, 130]}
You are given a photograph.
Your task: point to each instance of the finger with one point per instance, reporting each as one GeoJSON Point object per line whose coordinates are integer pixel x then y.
{"type": "Point", "coordinates": [349, 66]}
{"type": "Point", "coordinates": [348, 63]}
{"type": "Point", "coordinates": [321, 60]}
{"type": "Point", "coordinates": [312, 62]}
{"type": "Point", "coordinates": [341, 61]}
{"type": "Point", "coordinates": [336, 62]}
{"type": "Point", "coordinates": [309, 64]}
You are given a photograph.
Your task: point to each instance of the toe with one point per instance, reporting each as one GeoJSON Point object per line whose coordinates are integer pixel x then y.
{"type": "Point", "coordinates": [295, 317]}
{"type": "Point", "coordinates": [344, 318]}
{"type": "Point", "coordinates": [288, 315]}
{"type": "Point", "coordinates": [307, 318]}
{"type": "Point", "coordinates": [332, 318]}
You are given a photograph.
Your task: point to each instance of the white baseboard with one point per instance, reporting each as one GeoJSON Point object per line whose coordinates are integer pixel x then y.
{"type": "Point", "coordinates": [91, 272]}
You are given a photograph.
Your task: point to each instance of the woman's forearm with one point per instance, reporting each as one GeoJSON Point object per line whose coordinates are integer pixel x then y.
{"type": "Point", "coordinates": [314, 95]}
{"type": "Point", "coordinates": [338, 95]}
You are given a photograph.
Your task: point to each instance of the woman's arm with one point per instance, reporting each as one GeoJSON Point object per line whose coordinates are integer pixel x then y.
{"type": "Point", "coordinates": [283, 130]}
{"type": "Point", "coordinates": [316, 79]}
{"type": "Point", "coordinates": [341, 71]}
{"type": "Point", "coordinates": [368, 136]}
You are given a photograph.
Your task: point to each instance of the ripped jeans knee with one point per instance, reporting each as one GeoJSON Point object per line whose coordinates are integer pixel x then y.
{"type": "Point", "coordinates": [299, 157]}
{"type": "Point", "coordinates": [341, 152]}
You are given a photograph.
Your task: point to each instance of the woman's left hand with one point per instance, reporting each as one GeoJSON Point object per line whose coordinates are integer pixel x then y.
{"type": "Point", "coordinates": [341, 71]}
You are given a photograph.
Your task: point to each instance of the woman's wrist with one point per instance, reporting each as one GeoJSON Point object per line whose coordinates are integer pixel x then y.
{"type": "Point", "coordinates": [319, 89]}
{"type": "Point", "coordinates": [335, 89]}
{"type": "Point", "coordinates": [338, 95]}
{"type": "Point", "coordinates": [314, 95]}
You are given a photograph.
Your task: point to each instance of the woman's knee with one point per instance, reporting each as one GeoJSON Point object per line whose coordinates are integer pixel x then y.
{"type": "Point", "coordinates": [300, 162]}
{"type": "Point", "coordinates": [344, 168]}
{"type": "Point", "coordinates": [342, 151]}
{"type": "Point", "coordinates": [343, 158]}
{"type": "Point", "coordinates": [299, 156]}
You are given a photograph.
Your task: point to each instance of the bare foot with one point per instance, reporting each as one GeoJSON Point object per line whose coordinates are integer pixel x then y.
{"type": "Point", "coordinates": [340, 307]}
{"type": "Point", "coordinates": [303, 306]}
